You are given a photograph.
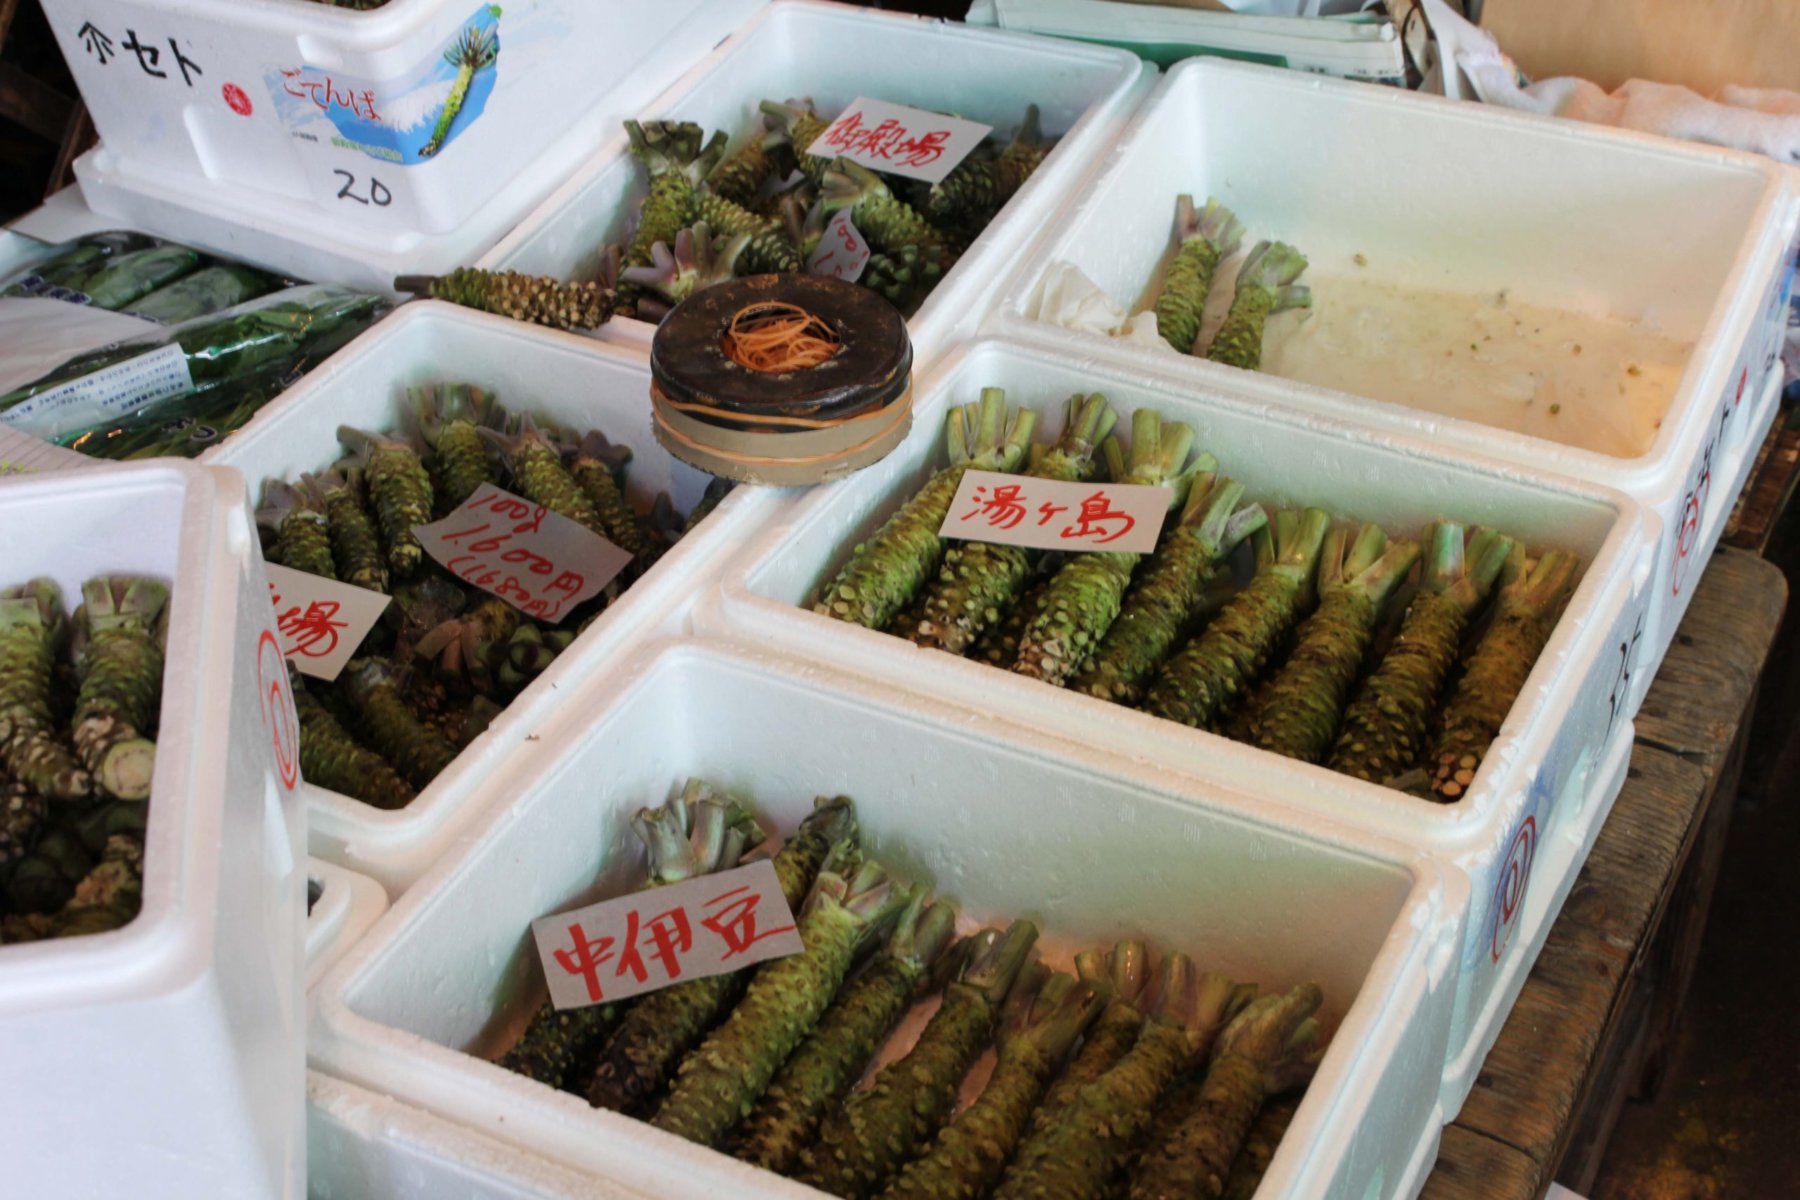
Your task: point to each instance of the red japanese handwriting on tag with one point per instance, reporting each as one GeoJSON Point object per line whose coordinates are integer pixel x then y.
{"type": "Point", "coordinates": [320, 622]}
{"type": "Point", "coordinates": [1049, 514]}
{"type": "Point", "coordinates": [842, 252]}
{"type": "Point", "coordinates": [540, 562]}
{"type": "Point", "coordinates": [899, 140]}
{"type": "Point", "coordinates": [650, 939]}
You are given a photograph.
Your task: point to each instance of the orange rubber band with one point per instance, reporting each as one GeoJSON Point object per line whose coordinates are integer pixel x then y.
{"type": "Point", "coordinates": [776, 337]}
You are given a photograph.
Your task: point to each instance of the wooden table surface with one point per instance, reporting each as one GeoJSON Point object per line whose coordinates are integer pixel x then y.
{"type": "Point", "coordinates": [1523, 1113]}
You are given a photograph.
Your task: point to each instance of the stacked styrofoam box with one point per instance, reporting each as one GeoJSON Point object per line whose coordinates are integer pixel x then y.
{"type": "Point", "coordinates": [1548, 779]}
{"type": "Point", "coordinates": [582, 384]}
{"type": "Point", "coordinates": [257, 156]}
{"type": "Point", "coordinates": [1456, 196]}
{"type": "Point", "coordinates": [833, 53]}
{"type": "Point", "coordinates": [165, 1059]}
{"type": "Point", "coordinates": [1006, 821]}
{"type": "Point", "coordinates": [340, 907]}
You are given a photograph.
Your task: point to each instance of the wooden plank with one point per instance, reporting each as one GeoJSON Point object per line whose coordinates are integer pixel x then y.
{"type": "Point", "coordinates": [1473, 1167]}
{"type": "Point", "coordinates": [1769, 491]}
{"type": "Point", "coordinates": [1706, 679]}
{"type": "Point", "coordinates": [32, 103]}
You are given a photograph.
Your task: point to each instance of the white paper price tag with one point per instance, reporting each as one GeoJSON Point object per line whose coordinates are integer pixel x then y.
{"type": "Point", "coordinates": [320, 622]}
{"type": "Point", "coordinates": [899, 140]}
{"type": "Point", "coordinates": [1048, 514]}
{"type": "Point", "coordinates": [842, 252]}
{"type": "Point", "coordinates": [650, 939]}
{"type": "Point", "coordinates": [540, 562]}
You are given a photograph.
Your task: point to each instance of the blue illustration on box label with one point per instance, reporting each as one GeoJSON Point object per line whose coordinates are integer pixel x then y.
{"type": "Point", "coordinates": [406, 120]}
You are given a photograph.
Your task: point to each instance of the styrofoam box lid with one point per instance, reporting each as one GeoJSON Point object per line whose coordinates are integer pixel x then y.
{"type": "Point", "coordinates": [1007, 822]}
{"type": "Point", "coordinates": [1283, 458]}
{"type": "Point", "coordinates": [834, 53]}
{"type": "Point", "coordinates": [347, 904]}
{"type": "Point", "coordinates": [1439, 194]}
{"type": "Point", "coordinates": [571, 380]}
{"type": "Point", "coordinates": [161, 520]}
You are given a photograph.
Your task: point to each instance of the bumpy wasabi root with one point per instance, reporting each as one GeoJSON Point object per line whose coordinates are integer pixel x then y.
{"type": "Point", "coordinates": [1085, 596]}
{"type": "Point", "coordinates": [120, 661]}
{"type": "Point", "coordinates": [1296, 713]}
{"type": "Point", "coordinates": [886, 222]}
{"type": "Point", "coordinates": [801, 125]}
{"type": "Point", "coordinates": [448, 420]}
{"type": "Point", "coordinates": [22, 813]}
{"type": "Point", "coordinates": [538, 299]}
{"type": "Point", "coordinates": [596, 466]}
{"type": "Point", "coordinates": [1529, 602]}
{"type": "Point", "coordinates": [355, 542]}
{"type": "Point", "coordinates": [672, 154]}
{"type": "Point", "coordinates": [739, 176]}
{"type": "Point", "coordinates": [1385, 726]}
{"type": "Point", "coordinates": [979, 581]}
{"type": "Point", "coordinates": [978, 187]}
{"type": "Point", "coordinates": [1202, 241]}
{"type": "Point", "coordinates": [1265, 285]}
{"type": "Point", "coordinates": [886, 571]}
{"type": "Point", "coordinates": [863, 1144]}
{"type": "Point", "coordinates": [378, 688]}
{"type": "Point", "coordinates": [331, 758]}
{"type": "Point", "coordinates": [1252, 1162]}
{"type": "Point", "coordinates": [537, 471]}
{"type": "Point", "coordinates": [766, 247]}
{"type": "Point", "coordinates": [1208, 678]}
{"type": "Point", "coordinates": [297, 517]}
{"type": "Point", "coordinates": [823, 1068]}
{"type": "Point", "coordinates": [698, 261]}
{"type": "Point", "coordinates": [399, 491]}
{"type": "Point", "coordinates": [32, 627]}
{"type": "Point", "coordinates": [1124, 972]}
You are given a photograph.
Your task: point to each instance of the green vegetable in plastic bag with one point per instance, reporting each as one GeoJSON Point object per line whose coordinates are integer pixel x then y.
{"type": "Point", "coordinates": [120, 280]}
{"type": "Point", "coordinates": [205, 291]}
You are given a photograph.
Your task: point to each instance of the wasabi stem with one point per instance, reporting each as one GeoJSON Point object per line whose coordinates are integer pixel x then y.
{"type": "Point", "coordinates": [979, 581]}
{"type": "Point", "coordinates": [885, 572]}
{"type": "Point", "coordinates": [877, 1131]}
{"type": "Point", "coordinates": [801, 125]}
{"type": "Point", "coordinates": [1265, 285]}
{"type": "Point", "coordinates": [1197, 1160]}
{"type": "Point", "coordinates": [1208, 678]}
{"type": "Point", "coordinates": [720, 1081]}
{"type": "Point", "coordinates": [1125, 973]}
{"type": "Point", "coordinates": [1385, 726]}
{"type": "Point", "coordinates": [120, 662]}
{"type": "Point", "coordinates": [1296, 712]}
{"type": "Point", "coordinates": [971, 1153]}
{"type": "Point", "coordinates": [1167, 596]}
{"type": "Point", "coordinates": [1077, 1153]}
{"type": "Point", "coordinates": [32, 627]}
{"type": "Point", "coordinates": [467, 648]}
{"type": "Point", "coordinates": [824, 1067]}
{"type": "Point", "coordinates": [650, 1043]}
{"type": "Point", "coordinates": [1085, 596]}
{"type": "Point", "coordinates": [1529, 603]}
{"type": "Point", "coordinates": [1202, 241]}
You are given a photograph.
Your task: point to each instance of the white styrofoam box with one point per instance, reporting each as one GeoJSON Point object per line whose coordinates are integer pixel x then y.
{"type": "Point", "coordinates": [1474, 199]}
{"type": "Point", "coordinates": [1539, 768]}
{"type": "Point", "coordinates": [1096, 847]}
{"type": "Point", "coordinates": [833, 54]}
{"type": "Point", "coordinates": [335, 114]}
{"type": "Point", "coordinates": [341, 905]}
{"type": "Point", "coordinates": [193, 1012]}
{"type": "Point", "coordinates": [570, 380]}
{"type": "Point", "coordinates": [190, 167]}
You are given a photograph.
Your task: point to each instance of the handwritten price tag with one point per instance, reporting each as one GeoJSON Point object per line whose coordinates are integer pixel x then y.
{"type": "Point", "coordinates": [320, 622]}
{"type": "Point", "coordinates": [1048, 514]}
{"type": "Point", "coordinates": [648, 940]}
{"type": "Point", "coordinates": [842, 251]}
{"type": "Point", "coordinates": [899, 140]}
{"type": "Point", "coordinates": [540, 562]}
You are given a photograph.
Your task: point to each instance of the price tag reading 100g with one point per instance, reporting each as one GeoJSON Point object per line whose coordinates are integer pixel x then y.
{"type": "Point", "coordinates": [540, 562]}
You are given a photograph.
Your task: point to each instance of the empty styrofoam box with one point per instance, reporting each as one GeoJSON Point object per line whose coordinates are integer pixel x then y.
{"type": "Point", "coordinates": [833, 53]}
{"type": "Point", "coordinates": [579, 383]}
{"type": "Point", "coordinates": [340, 907]}
{"type": "Point", "coordinates": [1096, 848]}
{"type": "Point", "coordinates": [264, 159]}
{"type": "Point", "coordinates": [1539, 771]}
{"type": "Point", "coordinates": [361, 1145]}
{"type": "Point", "coordinates": [1391, 193]}
{"type": "Point", "coordinates": [165, 1058]}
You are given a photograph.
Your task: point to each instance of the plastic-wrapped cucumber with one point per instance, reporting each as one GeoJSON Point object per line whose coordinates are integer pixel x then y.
{"type": "Point", "coordinates": [205, 291]}
{"type": "Point", "coordinates": [73, 261]}
{"type": "Point", "coordinates": [127, 277]}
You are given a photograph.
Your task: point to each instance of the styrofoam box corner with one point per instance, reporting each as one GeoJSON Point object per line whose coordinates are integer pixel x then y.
{"type": "Point", "coordinates": [196, 1005]}
{"type": "Point", "coordinates": [833, 53]}
{"type": "Point", "coordinates": [572, 381]}
{"type": "Point", "coordinates": [1573, 705]}
{"type": "Point", "coordinates": [347, 904]}
{"type": "Point", "coordinates": [1470, 198]}
{"type": "Point", "coordinates": [1100, 848]}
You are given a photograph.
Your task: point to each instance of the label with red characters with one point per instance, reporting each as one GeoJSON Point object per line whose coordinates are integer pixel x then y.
{"type": "Point", "coordinates": [842, 252]}
{"type": "Point", "coordinates": [1049, 514]}
{"type": "Point", "coordinates": [898, 140]}
{"type": "Point", "coordinates": [638, 943]}
{"type": "Point", "coordinates": [320, 621]}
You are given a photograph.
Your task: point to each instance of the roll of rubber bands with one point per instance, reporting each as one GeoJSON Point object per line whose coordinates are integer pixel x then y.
{"type": "Point", "coordinates": [782, 379]}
